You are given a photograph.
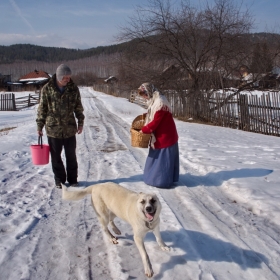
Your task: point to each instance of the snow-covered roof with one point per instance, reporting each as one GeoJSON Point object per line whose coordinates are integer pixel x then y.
{"type": "Point", "coordinates": [110, 78]}
{"type": "Point", "coordinates": [33, 79]}
{"type": "Point", "coordinates": [35, 76]}
{"type": "Point", "coordinates": [250, 77]}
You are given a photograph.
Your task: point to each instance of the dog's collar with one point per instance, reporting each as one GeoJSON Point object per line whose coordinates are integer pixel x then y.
{"type": "Point", "coordinates": [148, 225]}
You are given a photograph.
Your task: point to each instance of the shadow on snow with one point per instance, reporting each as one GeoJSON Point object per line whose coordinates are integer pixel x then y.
{"type": "Point", "coordinates": [209, 180]}
{"type": "Point", "coordinates": [216, 179]}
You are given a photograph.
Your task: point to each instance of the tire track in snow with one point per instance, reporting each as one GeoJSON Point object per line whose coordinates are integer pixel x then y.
{"type": "Point", "coordinates": [170, 225]}
{"type": "Point", "coordinates": [212, 211]}
{"type": "Point", "coordinates": [85, 254]}
{"type": "Point", "coordinates": [181, 254]}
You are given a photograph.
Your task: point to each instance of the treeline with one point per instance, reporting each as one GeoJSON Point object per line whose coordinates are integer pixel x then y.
{"type": "Point", "coordinates": [102, 66]}
{"type": "Point", "coordinates": [28, 52]}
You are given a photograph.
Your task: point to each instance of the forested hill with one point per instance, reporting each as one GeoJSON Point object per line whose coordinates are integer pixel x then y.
{"type": "Point", "coordinates": [27, 52]}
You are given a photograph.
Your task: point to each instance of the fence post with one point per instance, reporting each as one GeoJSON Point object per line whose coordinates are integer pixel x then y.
{"type": "Point", "coordinates": [244, 112]}
{"type": "Point", "coordinates": [14, 102]}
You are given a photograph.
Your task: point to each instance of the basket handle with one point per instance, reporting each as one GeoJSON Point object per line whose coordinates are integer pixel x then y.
{"type": "Point", "coordinates": [144, 116]}
{"type": "Point", "coordinates": [40, 141]}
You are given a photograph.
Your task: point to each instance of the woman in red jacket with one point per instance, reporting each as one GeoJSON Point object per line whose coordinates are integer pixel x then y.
{"type": "Point", "coordinates": [162, 164]}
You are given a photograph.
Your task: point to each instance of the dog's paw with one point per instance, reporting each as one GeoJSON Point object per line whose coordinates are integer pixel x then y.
{"type": "Point", "coordinates": [149, 272]}
{"type": "Point", "coordinates": [165, 248]}
{"type": "Point", "coordinates": [114, 240]}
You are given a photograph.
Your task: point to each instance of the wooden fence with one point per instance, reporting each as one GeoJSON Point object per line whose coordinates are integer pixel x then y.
{"type": "Point", "coordinates": [259, 114]}
{"type": "Point", "coordinates": [137, 99]}
{"type": "Point", "coordinates": [111, 89]}
{"type": "Point", "coordinates": [8, 102]}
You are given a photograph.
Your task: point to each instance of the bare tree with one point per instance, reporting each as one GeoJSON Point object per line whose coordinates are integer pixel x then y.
{"type": "Point", "coordinates": [206, 44]}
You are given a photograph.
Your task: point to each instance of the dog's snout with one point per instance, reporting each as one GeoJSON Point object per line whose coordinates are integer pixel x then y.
{"type": "Point", "coordinates": [149, 209]}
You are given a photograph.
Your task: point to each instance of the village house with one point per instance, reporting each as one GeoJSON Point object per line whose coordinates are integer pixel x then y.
{"type": "Point", "coordinates": [34, 80]}
{"type": "Point", "coordinates": [269, 80]}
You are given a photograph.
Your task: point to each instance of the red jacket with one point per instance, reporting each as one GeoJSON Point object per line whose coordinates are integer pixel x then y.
{"type": "Point", "coordinates": [164, 129]}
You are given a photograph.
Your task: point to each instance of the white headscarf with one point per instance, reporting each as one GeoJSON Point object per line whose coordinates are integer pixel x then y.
{"type": "Point", "coordinates": [157, 101]}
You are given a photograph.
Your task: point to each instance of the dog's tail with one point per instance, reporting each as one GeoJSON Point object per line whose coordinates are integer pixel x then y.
{"type": "Point", "coordinates": [75, 195]}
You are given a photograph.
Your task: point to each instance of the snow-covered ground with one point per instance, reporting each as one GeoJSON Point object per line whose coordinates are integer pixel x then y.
{"type": "Point", "coordinates": [222, 220]}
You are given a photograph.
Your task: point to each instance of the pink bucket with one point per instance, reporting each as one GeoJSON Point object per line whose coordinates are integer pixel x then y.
{"type": "Point", "coordinates": [40, 153]}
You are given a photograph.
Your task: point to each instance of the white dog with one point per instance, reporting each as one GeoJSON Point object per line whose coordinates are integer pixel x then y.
{"type": "Point", "coordinates": [140, 210]}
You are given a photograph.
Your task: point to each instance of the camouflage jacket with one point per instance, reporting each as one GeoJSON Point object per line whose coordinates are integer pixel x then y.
{"type": "Point", "coordinates": [56, 111]}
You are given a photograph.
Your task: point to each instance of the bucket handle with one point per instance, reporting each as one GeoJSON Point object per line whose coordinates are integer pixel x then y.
{"type": "Point", "coordinates": [40, 141]}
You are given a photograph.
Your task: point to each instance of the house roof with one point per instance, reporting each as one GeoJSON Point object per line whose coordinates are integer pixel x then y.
{"type": "Point", "coordinates": [111, 78]}
{"type": "Point", "coordinates": [35, 75]}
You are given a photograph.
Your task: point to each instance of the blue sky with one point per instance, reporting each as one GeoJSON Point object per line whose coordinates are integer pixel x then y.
{"type": "Point", "coordinates": [90, 23]}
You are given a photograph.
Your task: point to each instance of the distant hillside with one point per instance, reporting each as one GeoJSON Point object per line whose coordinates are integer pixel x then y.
{"type": "Point", "coordinates": [20, 59]}
{"type": "Point", "coordinates": [27, 52]}
{"type": "Point", "coordinates": [269, 37]}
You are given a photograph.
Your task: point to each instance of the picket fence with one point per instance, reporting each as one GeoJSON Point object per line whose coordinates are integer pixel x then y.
{"type": "Point", "coordinates": [259, 114]}
{"type": "Point", "coordinates": [8, 101]}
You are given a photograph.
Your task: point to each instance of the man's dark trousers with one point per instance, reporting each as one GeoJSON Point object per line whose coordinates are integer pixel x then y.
{"type": "Point", "coordinates": [56, 146]}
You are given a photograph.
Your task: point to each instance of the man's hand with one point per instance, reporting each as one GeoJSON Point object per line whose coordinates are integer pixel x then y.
{"type": "Point", "coordinates": [40, 132]}
{"type": "Point", "coordinates": [80, 129]}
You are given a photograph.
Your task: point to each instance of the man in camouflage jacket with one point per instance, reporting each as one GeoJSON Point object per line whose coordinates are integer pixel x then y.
{"type": "Point", "coordinates": [60, 103]}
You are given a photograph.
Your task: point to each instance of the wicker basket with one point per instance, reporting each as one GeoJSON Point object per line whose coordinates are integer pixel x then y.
{"type": "Point", "coordinates": [139, 139]}
{"type": "Point", "coordinates": [138, 122]}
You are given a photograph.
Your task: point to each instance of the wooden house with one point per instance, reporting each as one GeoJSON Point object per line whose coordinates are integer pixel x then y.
{"type": "Point", "coordinates": [34, 80]}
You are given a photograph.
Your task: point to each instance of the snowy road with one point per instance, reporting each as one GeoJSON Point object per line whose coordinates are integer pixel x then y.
{"type": "Point", "coordinates": [214, 231]}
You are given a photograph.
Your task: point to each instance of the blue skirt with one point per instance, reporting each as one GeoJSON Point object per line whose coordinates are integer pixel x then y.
{"type": "Point", "coordinates": [162, 167]}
